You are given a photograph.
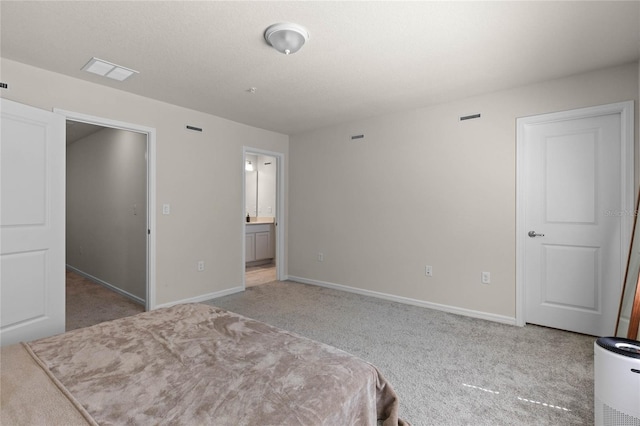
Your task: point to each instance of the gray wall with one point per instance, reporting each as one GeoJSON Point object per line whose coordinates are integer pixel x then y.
{"type": "Point", "coordinates": [198, 173]}
{"type": "Point", "coordinates": [421, 187]}
{"type": "Point", "coordinates": [107, 209]}
{"type": "Point", "coordinates": [424, 188]}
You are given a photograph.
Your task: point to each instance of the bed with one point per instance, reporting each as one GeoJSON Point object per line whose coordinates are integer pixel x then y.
{"type": "Point", "coordinates": [190, 364]}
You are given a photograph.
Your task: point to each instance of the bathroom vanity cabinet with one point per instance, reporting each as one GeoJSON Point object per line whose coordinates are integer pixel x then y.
{"type": "Point", "coordinates": [259, 242]}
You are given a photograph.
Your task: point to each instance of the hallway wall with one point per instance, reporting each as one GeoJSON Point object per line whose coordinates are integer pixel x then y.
{"type": "Point", "coordinates": [107, 209]}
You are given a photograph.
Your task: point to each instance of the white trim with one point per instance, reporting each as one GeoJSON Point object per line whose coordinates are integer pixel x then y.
{"type": "Point", "coordinates": [280, 212]}
{"type": "Point", "coordinates": [409, 301]}
{"type": "Point", "coordinates": [150, 302]}
{"type": "Point", "coordinates": [202, 298]}
{"type": "Point", "coordinates": [103, 283]}
{"type": "Point", "coordinates": [625, 109]}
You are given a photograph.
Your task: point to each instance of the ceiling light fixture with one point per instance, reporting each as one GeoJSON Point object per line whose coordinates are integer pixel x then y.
{"type": "Point", "coordinates": [286, 38]}
{"type": "Point", "coordinates": [107, 69]}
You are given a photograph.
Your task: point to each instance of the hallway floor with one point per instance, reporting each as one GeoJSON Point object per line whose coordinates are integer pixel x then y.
{"type": "Point", "coordinates": [88, 303]}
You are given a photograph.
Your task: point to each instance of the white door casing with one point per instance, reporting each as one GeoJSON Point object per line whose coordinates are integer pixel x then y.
{"type": "Point", "coordinates": [575, 186]}
{"type": "Point", "coordinates": [32, 223]}
{"type": "Point", "coordinates": [150, 299]}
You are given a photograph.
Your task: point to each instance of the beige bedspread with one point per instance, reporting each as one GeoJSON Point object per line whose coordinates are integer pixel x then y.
{"type": "Point", "coordinates": [196, 364]}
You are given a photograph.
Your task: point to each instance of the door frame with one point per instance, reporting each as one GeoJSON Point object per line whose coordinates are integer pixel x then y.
{"type": "Point", "coordinates": [280, 212]}
{"type": "Point", "coordinates": [150, 300]}
{"type": "Point", "coordinates": [627, 184]}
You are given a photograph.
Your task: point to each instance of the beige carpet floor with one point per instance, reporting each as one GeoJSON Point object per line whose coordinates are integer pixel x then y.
{"type": "Point", "coordinates": [447, 369]}
{"type": "Point", "coordinates": [89, 303]}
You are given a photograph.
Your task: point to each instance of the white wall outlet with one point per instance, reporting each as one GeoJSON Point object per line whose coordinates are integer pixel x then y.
{"type": "Point", "coordinates": [166, 209]}
{"type": "Point", "coordinates": [428, 271]}
{"type": "Point", "coordinates": [200, 265]}
{"type": "Point", "coordinates": [320, 257]}
{"type": "Point", "coordinates": [486, 277]}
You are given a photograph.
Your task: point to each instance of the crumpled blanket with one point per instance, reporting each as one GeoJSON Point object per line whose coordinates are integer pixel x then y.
{"type": "Point", "coordinates": [197, 364]}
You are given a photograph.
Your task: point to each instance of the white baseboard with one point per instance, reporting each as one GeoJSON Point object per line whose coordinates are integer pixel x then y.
{"type": "Point", "coordinates": [107, 285]}
{"type": "Point", "coordinates": [203, 297]}
{"type": "Point", "coordinates": [409, 301]}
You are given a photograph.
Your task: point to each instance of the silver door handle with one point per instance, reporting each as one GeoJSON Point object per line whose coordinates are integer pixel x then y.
{"type": "Point", "coordinates": [533, 234]}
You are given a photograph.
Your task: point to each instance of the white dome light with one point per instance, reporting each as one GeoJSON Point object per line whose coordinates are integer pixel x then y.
{"type": "Point", "coordinates": [286, 38]}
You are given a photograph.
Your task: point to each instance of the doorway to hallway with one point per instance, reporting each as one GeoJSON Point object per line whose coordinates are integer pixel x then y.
{"type": "Point", "coordinates": [113, 145]}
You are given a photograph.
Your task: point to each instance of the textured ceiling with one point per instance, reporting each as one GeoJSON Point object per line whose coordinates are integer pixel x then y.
{"type": "Point", "coordinates": [363, 58]}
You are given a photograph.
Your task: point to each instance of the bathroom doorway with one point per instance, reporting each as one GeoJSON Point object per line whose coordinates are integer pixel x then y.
{"type": "Point", "coordinates": [262, 211]}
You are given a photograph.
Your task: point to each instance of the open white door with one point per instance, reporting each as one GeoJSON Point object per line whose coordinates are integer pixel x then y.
{"type": "Point", "coordinates": [32, 221]}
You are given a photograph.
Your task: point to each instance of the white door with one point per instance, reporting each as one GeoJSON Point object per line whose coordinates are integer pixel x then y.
{"type": "Point", "coordinates": [575, 194]}
{"type": "Point", "coordinates": [32, 161]}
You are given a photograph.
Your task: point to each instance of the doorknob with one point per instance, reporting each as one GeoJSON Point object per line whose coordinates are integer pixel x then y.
{"type": "Point", "coordinates": [533, 234]}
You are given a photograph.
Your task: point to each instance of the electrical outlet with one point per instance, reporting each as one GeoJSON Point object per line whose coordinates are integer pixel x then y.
{"type": "Point", "coordinates": [320, 257]}
{"type": "Point", "coordinates": [486, 277]}
{"type": "Point", "coordinates": [166, 209]}
{"type": "Point", "coordinates": [428, 271]}
{"type": "Point", "coordinates": [200, 265]}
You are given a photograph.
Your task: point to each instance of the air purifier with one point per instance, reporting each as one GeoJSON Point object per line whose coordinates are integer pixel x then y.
{"type": "Point", "coordinates": [617, 382]}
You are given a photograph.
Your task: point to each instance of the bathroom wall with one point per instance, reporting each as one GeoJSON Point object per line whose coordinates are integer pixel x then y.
{"type": "Point", "coordinates": [267, 167]}
{"type": "Point", "coordinates": [251, 186]}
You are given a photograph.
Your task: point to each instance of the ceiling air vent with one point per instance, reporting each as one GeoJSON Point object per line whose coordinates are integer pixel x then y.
{"type": "Point", "coordinates": [107, 69]}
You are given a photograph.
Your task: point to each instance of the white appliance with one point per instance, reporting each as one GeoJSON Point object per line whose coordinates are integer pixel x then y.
{"type": "Point", "coordinates": [617, 382]}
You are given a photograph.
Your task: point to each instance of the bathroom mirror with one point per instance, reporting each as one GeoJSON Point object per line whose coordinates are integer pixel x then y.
{"type": "Point", "coordinates": [260, 186]}
{"type": "Point", "coordinates": [629, 313]}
